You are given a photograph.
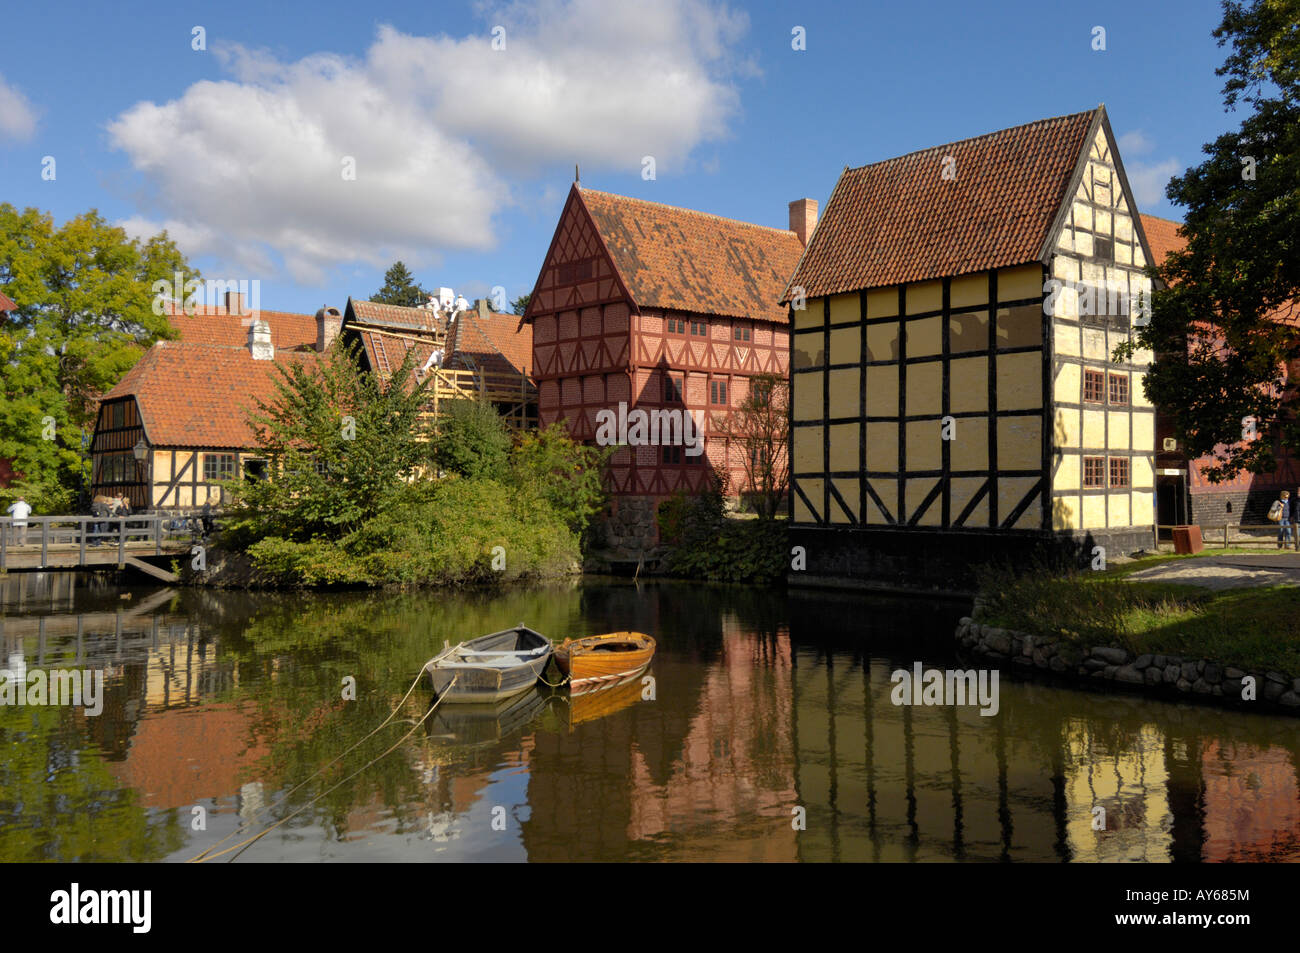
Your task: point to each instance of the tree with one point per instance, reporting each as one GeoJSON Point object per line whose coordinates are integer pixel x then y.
{"type": "Point", "coordinates": [471, 440]}
{"type": "Point", "coordinates": [1220, 347]}
{"type": "Point", "coordinates": [520, 304]}
{"type": "Point", "coordinates": [400, 288]}
{"type": "Point", "coordinates": [341, 446]}
{"type": "Point", "coordinates": [760, 429]}
{"type": "Point", "coordinates": [565, 473]}
{"type": "Point", "coordinates": [84, 294]}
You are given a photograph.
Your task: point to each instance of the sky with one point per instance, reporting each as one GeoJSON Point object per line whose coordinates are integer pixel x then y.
{"type": "Point", "coordinates": [308, 147]}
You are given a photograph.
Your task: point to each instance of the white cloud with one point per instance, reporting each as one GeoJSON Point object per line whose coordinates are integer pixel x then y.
{"type": "Point", "coordinates": [252, 165]}
{"type": "Point", "coordinates": [17, 116]}
{"type": "Point", "coordinates": [1135, 143]}
{"type": "Point", "coordinates": [1148, 180]}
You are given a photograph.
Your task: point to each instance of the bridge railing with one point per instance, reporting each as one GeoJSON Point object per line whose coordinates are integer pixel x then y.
{"type": "Point", "coordinates": [134, 535]}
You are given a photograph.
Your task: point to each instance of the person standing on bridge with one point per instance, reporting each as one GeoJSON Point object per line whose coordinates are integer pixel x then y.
{"type": "Point", "coordinates": [20, 509]}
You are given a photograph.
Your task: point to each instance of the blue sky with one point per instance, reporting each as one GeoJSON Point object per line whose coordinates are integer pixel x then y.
{"type": "Point", "coordinates": [463, 154]}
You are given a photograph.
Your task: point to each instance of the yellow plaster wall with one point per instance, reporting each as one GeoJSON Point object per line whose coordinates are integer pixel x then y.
{"type": "Point", "coordinates": [845, 392]}
{"type": "Point", "coordinates": [807, 398]}
{"type": "Point", "coordinates": [844, 446]}
{"type": "Point", "coordinates": [969, 290]}
{"type": "Point", "coordinates": [924, 388]}
{"type": "Point", "coordinates": [845, 308]}
{"type": "Point", "coordinates": [970, 451]}
{"type": "Point", "coordinates": [923, 445]}
{"type": "Point", "coordinates": [925, 337]}
{"type": "Point", "coordinates": [1025, 281]}
{"type": "Point", "coordinates": [882, 391]}
{"type": "Point", "coordinates": [1020, 443]}
{"type": "Point", "coordinates": [882, 446]}
{"type": "Point", "coordinates": [1020, 381]}
{"type": "Point", "coordinates": [927, 296]}
{"type": "Point", "coordinates": [968, 385]}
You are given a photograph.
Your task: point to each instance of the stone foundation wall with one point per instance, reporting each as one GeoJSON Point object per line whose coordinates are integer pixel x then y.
{"type": "Point", "coordinates": [1162, 675]}
{"type": "Point", "coordinates": [630, 525]}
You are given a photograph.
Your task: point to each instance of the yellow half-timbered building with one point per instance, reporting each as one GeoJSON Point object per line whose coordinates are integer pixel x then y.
{"type": "Point", "coordinates": [953, 320]}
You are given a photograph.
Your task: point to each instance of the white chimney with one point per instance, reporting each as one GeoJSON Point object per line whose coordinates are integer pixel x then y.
{"type": "Point", "coordinates": [259, 341]}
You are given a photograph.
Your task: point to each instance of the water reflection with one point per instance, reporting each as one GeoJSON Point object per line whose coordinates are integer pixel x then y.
{"type": "Point", "coordinates": [758, 703]}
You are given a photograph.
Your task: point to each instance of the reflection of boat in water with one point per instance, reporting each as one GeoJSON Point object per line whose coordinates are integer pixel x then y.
{"type": "Point", "coordinates": [608, 698]}
{"type": "Point", "coordinates": [600, 660]}
{"type": "Point", "coordinates": [485, 722]}
{"type": "Point", "coordinates": [490, 667]}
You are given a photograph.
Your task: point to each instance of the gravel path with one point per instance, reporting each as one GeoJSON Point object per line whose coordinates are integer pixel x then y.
{"type": "Point", "coordinates": [1227, 572]}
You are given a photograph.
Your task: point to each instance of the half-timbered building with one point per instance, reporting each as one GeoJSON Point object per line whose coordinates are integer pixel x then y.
{"type": "Point", "coordinates": [176, 424]}
{"type": "Point", "coordinates": [643, 307]}
{"type": "Point", "coordinates": [954, 320]}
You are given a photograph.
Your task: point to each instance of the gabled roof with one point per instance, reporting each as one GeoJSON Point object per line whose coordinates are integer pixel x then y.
{"type": "Point", "coordinates": [903, 220]}
{"type": "Point", "coordinates": [215, 325]}
{"type": "Point", "coordinates": [7, 303]}
{"type": "Point", "coordinates": [680, 259]}
{"type": "Point", "coordinates": [199, 395]}
{"type": "Point", "coordinates": [497, 343]}
{"type": "Point", "coordinates": [393, 316]}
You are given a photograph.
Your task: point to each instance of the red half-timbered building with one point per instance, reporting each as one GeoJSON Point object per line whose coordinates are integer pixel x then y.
{"type": "Point", "coordinates": [659, 308]}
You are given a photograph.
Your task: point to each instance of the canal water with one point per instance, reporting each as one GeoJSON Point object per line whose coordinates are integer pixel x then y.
{"type": "Point", "coordinates": [766, 731]}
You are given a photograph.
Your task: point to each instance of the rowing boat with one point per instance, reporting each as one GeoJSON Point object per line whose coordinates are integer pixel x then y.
{"type": "Point", "coordinates": [490, 667]}
{"type": "Point", "coordinates": [604, 659]}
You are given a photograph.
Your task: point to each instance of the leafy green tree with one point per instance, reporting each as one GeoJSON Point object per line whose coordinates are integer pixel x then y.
{"type": "Point", "coordinates": [1219, 345]}
{"type": "Point", "coordinates": [341, 445]}
{"type": "Point", "coordinates": [563, 472]}
{"type": "Point", "coordinates": [84, 294]}
{"type": "Point", "coordinates": [400, 288]}
{"type": "Point", "coordinates": [472, 440]}
{"type": "Point", "coordinates": [520, 304]}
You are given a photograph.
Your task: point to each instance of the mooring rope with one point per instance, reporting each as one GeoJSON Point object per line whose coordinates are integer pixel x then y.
{"type": "Point", "coordinates": [248, 824]}
{"type": "Point", "coordinates": [397, 744]}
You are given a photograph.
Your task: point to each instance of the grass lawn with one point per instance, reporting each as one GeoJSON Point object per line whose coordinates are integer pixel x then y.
{"type": "Point", "coordinates": [1256, 628]}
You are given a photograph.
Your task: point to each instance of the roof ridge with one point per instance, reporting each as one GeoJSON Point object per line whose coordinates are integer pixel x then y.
{"type": "Point", "coordinates": [983, 135]}
{"type": "Point", "coordinates": [687, 211]}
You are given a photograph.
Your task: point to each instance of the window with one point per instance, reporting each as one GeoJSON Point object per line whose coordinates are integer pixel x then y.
{"type": "Point", "coordinates": [699, 327]}
{"type": "Point", "coordinates": [1119, 471]}
{"type": "Point", "coordinates": [119, 415]}
{"type": "Point", "coordinates": [1119, 388]}
{"type": "Point", "coordinates": [117, 468]}
{"type": "Point", "coordinates": [1094, 472]}
{"type": "Point", "coordinates": [676, 326]}
{"type": "Point", "coordinates": [742, 333]}
{"type": "Point", "coordinates": [672, 389]}
{"type": "Point", "coordinates": [718, 392]}
{"type": "Point", "coordinates": [758, 457]}
{"type": "Point", "coordinates": [218, 466]}
{"type": "Point", "coordinates": [1094, 386]}
{"type": "Point", "coordinates": [255, 469]}
{"type": "Point", "coordinates": [1103, 248]}
{"type": "Point", "coordinates": [672, 454]}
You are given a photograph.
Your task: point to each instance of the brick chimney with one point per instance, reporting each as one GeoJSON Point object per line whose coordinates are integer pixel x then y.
{"type": "Point", "coordinates": [803, 218]}
{"type": "Point", "coordinates": [328, 325]}
{"type": "Point", "coordinates": [259, 341]}
{"type": "Point", "coordinates": [483, 309]}
{"type": "Point", "coordinates": [235, 300]}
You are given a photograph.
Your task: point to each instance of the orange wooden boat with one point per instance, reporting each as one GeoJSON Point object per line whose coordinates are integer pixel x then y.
{"type": "Point", "coordinates": [604, 659]}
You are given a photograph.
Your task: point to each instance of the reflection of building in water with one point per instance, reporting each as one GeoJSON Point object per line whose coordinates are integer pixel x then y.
{"type": "Point", "coordinates": [180, 757]}
{"type": "Point", "coordinates": [883, 782]}
{"type": "Point", "coordinates": [1125, 774]}
{"type": "Point", "coordinates": [1252, 805]}
{"type": "Point", "coordinates": [703, 772]}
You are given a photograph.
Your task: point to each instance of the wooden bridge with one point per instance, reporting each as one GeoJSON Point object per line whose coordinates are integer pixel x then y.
{"type": "Point", "coordinates": [91, 542]}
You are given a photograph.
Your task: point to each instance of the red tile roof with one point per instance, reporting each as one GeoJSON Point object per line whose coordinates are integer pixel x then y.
{"type": "Point", "coordinates": [685, 260]}
{"type": "Point", "coordinates": [198, 395]}
{"type": "Point", "coordinates": [498, 343]}
{"type": "Point", "coordinates": [217, 326]}
{"type": "Point", "coordinates": [7, 303]}
{"type": "Point", "coordinates": [1162, 236]}
{"type": "Point", "coordinates": [901, 220]}
{"type": "Point", "coordinates": [394, 316]}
